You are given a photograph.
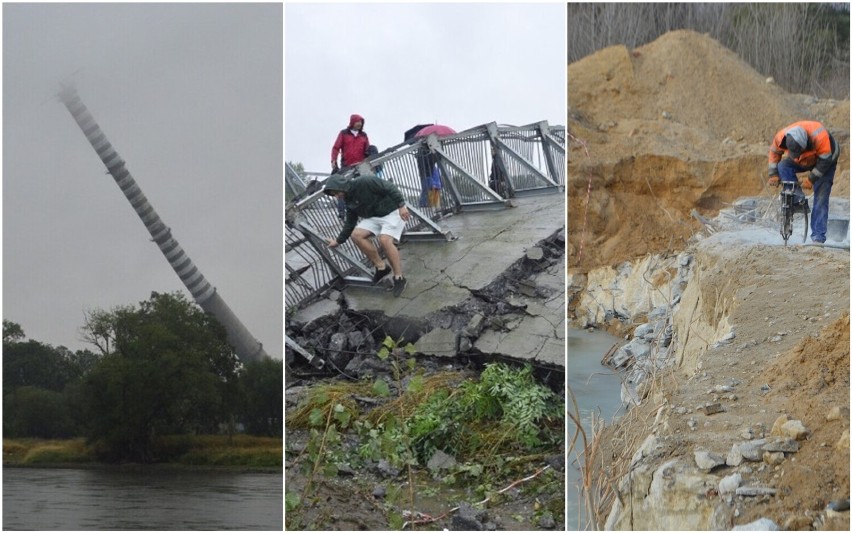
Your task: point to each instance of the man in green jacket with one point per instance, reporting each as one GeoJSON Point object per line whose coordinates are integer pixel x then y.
{"type": "Point", "coordinates": [381, 208]}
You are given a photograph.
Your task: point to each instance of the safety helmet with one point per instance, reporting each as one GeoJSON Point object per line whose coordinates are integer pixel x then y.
{"type": "Point", "coordinates": [795, 140]}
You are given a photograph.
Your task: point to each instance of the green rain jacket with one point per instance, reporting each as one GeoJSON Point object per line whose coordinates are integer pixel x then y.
{"type": "Point", "coordinates": [365, 196]}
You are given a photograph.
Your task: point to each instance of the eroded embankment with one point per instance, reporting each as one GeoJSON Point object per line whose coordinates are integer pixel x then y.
{"type": "Point", "coordinates": [643, 204]}
{"type": "Point", "coordinates": [747, 417]}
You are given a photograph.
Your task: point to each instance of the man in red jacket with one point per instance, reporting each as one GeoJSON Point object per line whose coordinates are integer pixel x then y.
{"type": "Point", "coordinates": [351, 144]}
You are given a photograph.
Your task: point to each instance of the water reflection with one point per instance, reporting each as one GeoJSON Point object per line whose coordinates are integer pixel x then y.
{"type": "Point", "coordinates": [69, 499]}
{"type": "Point", "coordinates": [597, 389]}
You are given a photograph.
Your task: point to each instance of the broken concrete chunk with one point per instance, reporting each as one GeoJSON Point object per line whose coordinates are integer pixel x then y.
{"type": "Point", "coordinates": [735, 456]}
{"type": "Point", "coordinates": [712, 409]}
{"type": "Point", "coordinates": [474, 327]}
{"type": "Point", "coordinates": [440, 342]}
{"type": "Point", "coordinates": [761, 524]}
{"type": "Point", "coordinates": [838, 506]}
{"type": "Point", "coordinates": [729, 484]}
{"type": "Point", "coordinates": [776, 426]}
{"type": "Point", "coordinates": [756, 491]}
{"type": "Point", "coordinates": [781, 444]}
{"type": "Point", "coordinates": [535, 254]}
{"type": "Point", "coordinates": [647, 448]}
{"type": "Point", "coordinates": [795, 429]}
{"type": "Point", "coordinates": [619, 358]}
{"type": "Point", "coordinates": [773, 458]}
{"type": "Point", "coordinates": [838, 412]}
{"type": "Point", "coordinates": [639, 348]}
{"type": "Point", "coordinates": [440, 461]}
{"type": "Point", "coordinates": [528, 289]}
{"type": "Point", "coordinates": [707, 461]}
{"type": "Point", "coordinates": [752, 450]}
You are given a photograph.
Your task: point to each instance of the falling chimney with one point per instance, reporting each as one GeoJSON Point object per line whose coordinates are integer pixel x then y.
{"type": "Point", "coordinates": [204, 294]}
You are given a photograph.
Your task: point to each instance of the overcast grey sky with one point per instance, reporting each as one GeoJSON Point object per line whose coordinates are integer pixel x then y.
{"type": "Point", "coordinates": [399, 65]}
{"type": "Point", "coordinates": [190, 95]}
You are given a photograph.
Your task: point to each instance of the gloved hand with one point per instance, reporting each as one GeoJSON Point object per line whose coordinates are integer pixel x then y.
{"type": "Point", "coordinates": [806, 183]}
{"type": "Point", "coordinates": [773, 180]}
{"type": "Point", "coordinates": [334, 167]}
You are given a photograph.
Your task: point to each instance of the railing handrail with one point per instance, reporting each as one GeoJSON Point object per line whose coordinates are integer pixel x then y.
{"type": "Point", "coordinates": [477, 168]}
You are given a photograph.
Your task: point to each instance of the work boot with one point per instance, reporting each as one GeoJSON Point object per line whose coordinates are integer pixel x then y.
{"type": "Point", "coordinates": [399, 286]}
{"type": "Point", "coordinates": [381, 273]}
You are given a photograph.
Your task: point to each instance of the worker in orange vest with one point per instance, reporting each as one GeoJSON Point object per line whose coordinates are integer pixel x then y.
{"type": "Point", "coordinates": [809, 147]}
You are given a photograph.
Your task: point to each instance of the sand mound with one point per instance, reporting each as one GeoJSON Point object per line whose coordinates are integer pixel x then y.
{"type": "Point", "coordinates": [687, 75]}
{"type": "Point", "coordinates": [681, 123]}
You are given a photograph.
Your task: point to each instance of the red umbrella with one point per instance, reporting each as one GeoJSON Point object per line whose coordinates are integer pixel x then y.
{"type": "Point", "coordinates": [437, 129]}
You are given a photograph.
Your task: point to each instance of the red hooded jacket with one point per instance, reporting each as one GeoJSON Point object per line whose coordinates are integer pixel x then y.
{"type": "Point", "coordinates": [353, 148]}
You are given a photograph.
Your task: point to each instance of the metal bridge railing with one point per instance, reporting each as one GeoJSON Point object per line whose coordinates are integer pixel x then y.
{"type": "Point", "coordinates": [479, 168]}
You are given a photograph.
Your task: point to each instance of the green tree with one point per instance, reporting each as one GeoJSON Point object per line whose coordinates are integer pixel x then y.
{"type": "Point", "coordinates": [35, 364]}
{"type": "Point", "coordinates": [36, 380]}
{"type": "Point", "coordinates": [12, 332]}
{"type": "Point", "coordinates": [167, 369]}
{"type": "Point", "coordinates": [298, 167]}
{"type": "Point", "coordinates": [262, 391]}
{"type": "Point", "coordinates": [36, 412]}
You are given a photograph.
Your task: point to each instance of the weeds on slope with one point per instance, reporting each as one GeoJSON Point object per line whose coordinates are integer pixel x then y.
{"type": "Point", "coordinates": [495, 425]}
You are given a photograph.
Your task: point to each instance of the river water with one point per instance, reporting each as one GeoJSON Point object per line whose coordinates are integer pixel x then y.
{"type": "Point", "coordinates": [101, 499]}
{"type": "Point", "coordinates": [597, 390]}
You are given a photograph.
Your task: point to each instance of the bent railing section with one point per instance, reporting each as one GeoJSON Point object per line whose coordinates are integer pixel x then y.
{"type": "Point", "coordinates": [479, 168]}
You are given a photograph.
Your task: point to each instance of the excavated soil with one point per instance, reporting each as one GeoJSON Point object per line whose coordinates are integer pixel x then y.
{"type": "Point", "coordinates": [683, 124]}
{"type": "Point", "coordinates": [678, 124]}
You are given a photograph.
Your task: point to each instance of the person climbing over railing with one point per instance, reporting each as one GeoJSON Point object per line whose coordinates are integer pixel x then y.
{"type": "Point", "coordinates": [382, 212]}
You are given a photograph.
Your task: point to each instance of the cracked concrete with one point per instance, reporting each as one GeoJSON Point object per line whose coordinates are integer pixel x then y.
{"type": "Point", "coordinates": [498, 289]}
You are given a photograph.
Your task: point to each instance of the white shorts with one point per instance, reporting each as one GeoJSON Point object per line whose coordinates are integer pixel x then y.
{"type": "Point", "coordinates": [390, 224]}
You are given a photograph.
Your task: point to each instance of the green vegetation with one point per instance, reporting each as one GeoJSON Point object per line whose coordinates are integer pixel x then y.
{"type": "Point", "coordinates": [298, 167]}
{"type": "Point", "coordinates": [41, 451]}
{"type": "Point", "coordinates": [163, 369]}
{"type": "Point", "coordinates": [190, 450]}
{"type": "Point", "coordinates": [495, 426]}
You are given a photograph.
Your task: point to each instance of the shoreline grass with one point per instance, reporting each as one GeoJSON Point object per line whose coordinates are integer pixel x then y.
{"type": "Point", "coordinates": [192, 451]}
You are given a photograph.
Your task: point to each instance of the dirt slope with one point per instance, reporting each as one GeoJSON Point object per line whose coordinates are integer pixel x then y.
{"type": "Point", "coordinates": [678, 124]}
{"type": "Point", "coordinates": [683, 124]}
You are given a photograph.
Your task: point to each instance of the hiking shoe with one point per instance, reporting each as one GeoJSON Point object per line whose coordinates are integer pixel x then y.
{"type": "Point", "coordinates": [399, 286]}
{"type": "Point", "coordinates": [381, 273]}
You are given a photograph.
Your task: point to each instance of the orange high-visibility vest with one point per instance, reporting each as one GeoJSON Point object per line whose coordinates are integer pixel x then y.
{"type": "Point", "coordinates": [819, 146]}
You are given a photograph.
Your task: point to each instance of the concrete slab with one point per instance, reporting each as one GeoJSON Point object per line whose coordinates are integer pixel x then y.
{"type": "Point", "coordinates": [318, 309]}
{"type": "Point", "coordinates": [443, 274]}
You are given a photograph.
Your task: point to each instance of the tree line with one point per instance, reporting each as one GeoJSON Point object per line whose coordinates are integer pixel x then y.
{"type": "Point", "coordinates": [804, 46]}
{"type": "Point", "coordinates": [159, 368]}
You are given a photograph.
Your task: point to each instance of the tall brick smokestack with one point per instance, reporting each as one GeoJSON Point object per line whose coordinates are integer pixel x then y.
{"type": "Point", "coordinates": [204, 294]}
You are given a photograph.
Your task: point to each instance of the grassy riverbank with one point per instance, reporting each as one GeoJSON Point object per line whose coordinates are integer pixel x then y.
{"type": "Point", "coordinates": [242, 451]}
